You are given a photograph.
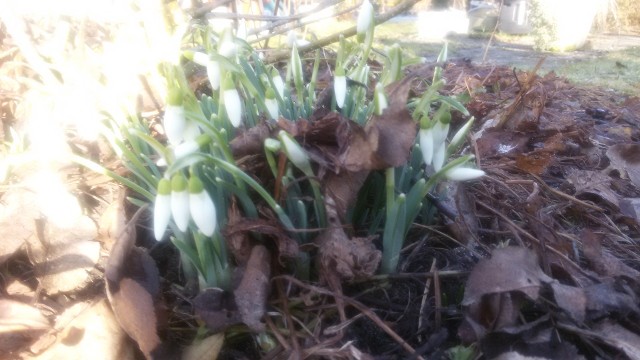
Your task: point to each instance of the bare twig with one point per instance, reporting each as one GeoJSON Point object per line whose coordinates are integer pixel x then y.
{"type": "Point", "coordinates": [381, 18]}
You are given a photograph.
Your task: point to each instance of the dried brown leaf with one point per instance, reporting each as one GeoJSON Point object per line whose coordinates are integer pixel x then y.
{"type": "Point", "coordinates": [253, 291]}
{"type": "Point", "coordinates": [570, 299]}
{"type": "Point", "coordinates": [207, 349]}
{"type": "Point", "coordinates": [601, 261]}
{"type": "Point", "coordinates": [386, 140]}
{"type": "Point", "coordinates": [217, 309]}
{"type": "Point", "coordinates": [620, 338]}
{"type": "Point", "coordinates": [626, 159]}
{"type": "Point", "coordinates": [508, 269]}
{"type": "Point", "coordinates": [133, 288]}
{"type": "Point", "coordinates": [17, 316]}
{"type": "Point", "coordinates": [237, 234]}
{"type": "Point", "coordinates": [593, 182]}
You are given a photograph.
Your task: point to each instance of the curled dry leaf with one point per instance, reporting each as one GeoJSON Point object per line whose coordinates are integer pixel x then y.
{"type": "Point", "coordinates": [253, 291]}
{"type": "Point", "coordinates": [617, 336]}
{"type": "Point", "coordinates": [626, 159]}
{"type": "Point", "coordinates": [133, 289]}
{"type": "Point", "coordinates": [237, 235]}
{"type": "Point", "coordinates": [206, 349]}
{"type": "Point", "coordinates": [341, 256]}
{"type": "Point", "coordinates": [386, 140]}
{"type": "Point", "coordinates": [217, 309]}
{"type": "Point", "coordinates": [508, 269]}
{"type": "Point", "coordinates": [596, 183]}
{"type": "Point", "coordinates": [601, 261]}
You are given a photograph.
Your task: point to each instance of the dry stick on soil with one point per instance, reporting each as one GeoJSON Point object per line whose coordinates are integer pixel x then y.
{"type": "Point", "coordinates": [425, 293]}
{"type": "Point", "coordinates": [566, 196]}
{"type": "Point", "coordinates": [361, 307]}
{"type": "Point", "coordinates": [524, 89]}
{"type": "Point", "coordinates": [381, 18]}
{"type": "Point", "coordinates": [531, 237]}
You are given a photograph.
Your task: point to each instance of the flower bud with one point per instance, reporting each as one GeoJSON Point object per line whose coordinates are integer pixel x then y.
{"type": "Point", "coordinates": [365, 19]}
{"type": "Point", "coordinates": [277, 82]}
{"type": "Point", "coordinates": [271, 103]}
{"type": "Point", "coordinates": [295, 152]}
{"type": "Point", "coordinates": [162, 208]}
{"type": "Point", "coordinates": [174, 117]}
{"type": "Point", "coordinates": [180, 201]}
{"type": "Point", "coordinates": [426, 145]}
{"type": "Point", "coordinates": [459, 173]}
{"type": "Point", "coordinates": [202, 208]}
{"type": "Point", "coordinates": [340, 86]}
{"type": "Point", "coordinates": [232, 102]}
{"type": "Point", "coordinates": [379, 99]}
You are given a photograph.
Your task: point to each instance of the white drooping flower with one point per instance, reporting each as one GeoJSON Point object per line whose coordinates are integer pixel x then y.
{"type": "Point", "coordinates": [295, 152]}
{"type": "Point", "coordinates": [174, 120]}
{"type": "Point", "coordinates": [340, 86]}
{"type": "Point", "coordinates": [277, 82]}
{"type": "Point", "coordinates": [213, 73]}
{"type": "Point", "coordinates": [162, 208]}
{"type": "Point", "coordinates": [460, 173]}
{"type": "Point", "coordinates": [458, 138]}
{"type": "Point", "coordinates": [380, 99]}
{"type": "Point", "coordinates": [440, 132]}
{"type": "Point", "coordinates": [197, 57]}
{"type": "Point", "coordinates": [426, 145]}
{"type": "Point", "coordinates": [202, 208]}
{"type": "Point", "coordinates": [271, 103]}
{"type": "Point", "coordinates": [365, 19]}
{"type": "Point", "coordinates": [232, 102]}
{"type": "Point", "coordinates": [189, 147]}
{"type": "Point", "coordinates": [180, 202]}
{"type": "Point", "coordinates": [439, 154]}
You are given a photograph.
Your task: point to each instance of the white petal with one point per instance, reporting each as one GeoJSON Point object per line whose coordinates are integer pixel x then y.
{"type": "Point", "coordinates": [203, 212]}
{"type": "Point", "coordinates": [213, 72]}
{"type": "Point", "coordinates": [279, 84]}
{"type": "Point", "coordinates": [295, 152]}
{"type": "Point", "coordinates": [234, 106]}
{"type": "Point", "coordinates": [440, 132]}
{"type": "Point", "coordinates": [200, 58]}
{"type": "Point", "coordinates": [426, 145]}
{"type": "Point", "coordinates": [180, 209]}
{"type": "Point", "coordinates": [462, 132]}
{"type": "Point", "coordinates": [463, 174]}
{"type": "Point", "coordinates": [364, 17]}
{"type": "Point", "coordinates": [272, 107]}
{"type": "Point", "coordinates": [161, 215]}
{"type": "Point", "coordinates": [191, 131]}
{"type": "Point", "coordinates": [340, 89]}
{"type": "Point", "coordinates": [185, 148]}
{"type": "Point", "coordinates": [438, 156]}
{"type": "Point", "coordinates": [174, 123]}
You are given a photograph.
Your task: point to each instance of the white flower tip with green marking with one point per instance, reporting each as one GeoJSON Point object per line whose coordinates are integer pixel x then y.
{"type": "Point", "coordinates": [174, 123]}
{"type": "Point", "coordinates": [463, 174]}
{"type": "Point", "coordinates": [340, 88]}
{"type": "Point", "coordinates": [233, 106]}
{"type": "Point", "coordinates": [180, 202]}
{"type": "Point", "coordinates": [365, 17]}
{"type": "Point", "coordinates": [213, 73]}
{"type": "Point", "coordinates": [426, 145]}
{"type": "Point", "coordinates": [295, 152]}
{"type": "Point", "coordinates": [202, 208]}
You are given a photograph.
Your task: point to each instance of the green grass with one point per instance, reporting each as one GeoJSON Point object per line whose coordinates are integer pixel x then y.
{"type": "Point", "coordinates": [616, 70]}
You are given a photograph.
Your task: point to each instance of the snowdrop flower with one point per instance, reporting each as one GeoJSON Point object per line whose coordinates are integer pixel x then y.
{"type": "Point", "coordinates": [459, 173]}
{"type": "Point", "coordinates": [277, 82]}
{"type": "Point", "coordinates": [379, 99]}
{"type": "Point", "coordinates": [174, 118]}
{"type": "Point", "coordinates": [180, 201]}
{"type": "Point", "coordinates": [439, 155]}
{"type": "Point", "coordinates": [296, 67]}
{"type": "Point", "coordinates": [232, 102]}
{"type": "Point", "coordinates": [162, 208]}
{"type": "Point", "coordinates": [440, 132]}
{"type": "Point", "coordinates": [271, 103]}
{"type": "Point", "coordinates": [227, 46]}
{"type": "Point", "coordinates": [295, 152]}
{"type": "Point", "coordinates": [203, 211]}
{"type": "Point", "coordinates": [458, 138]}
{"type": "Point", "coordinates": [241, 31]}
{"type": "Point", "coordinates": [340, 86]}
{"type": "Point", "coordinates": [365, 19]}
{"type": "Point", "coordinates": [426, 145]}
{"type": "Point", "coordinates": [190, 146]}
{"type": "Point", "coordinates": [197, 57]}
{"type": "Point", "coordinates": [213, 73]}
